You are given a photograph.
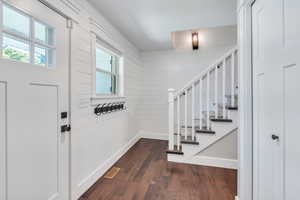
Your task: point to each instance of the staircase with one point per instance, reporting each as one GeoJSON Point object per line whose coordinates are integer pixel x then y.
{"type": "Point", "coordinates": [205, 110]}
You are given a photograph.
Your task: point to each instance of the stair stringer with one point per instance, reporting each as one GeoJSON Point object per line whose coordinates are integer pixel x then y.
{"type": "Point", "coordinates": [222, 129]}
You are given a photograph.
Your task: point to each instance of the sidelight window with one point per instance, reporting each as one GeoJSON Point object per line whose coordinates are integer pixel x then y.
{"type": "Point", "coordinates": [26, 39]}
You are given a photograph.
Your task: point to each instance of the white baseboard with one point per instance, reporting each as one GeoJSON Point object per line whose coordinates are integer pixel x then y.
{"type": "Point", "coordinates": [236, 198]}
{"type": "Point", "coordinates": [153, 135]}
{"type": "Point", "coordinates": [85, 184]}
{"type": "Point", "coordinates": [204, 160]}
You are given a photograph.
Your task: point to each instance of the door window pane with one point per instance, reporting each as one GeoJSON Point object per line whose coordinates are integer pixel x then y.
{"type": "Point", "coordinates": [43, 33]}
{"type": "Point", "coordinates": [40, 56]}
{"type": "Point", "coordinates": [15, 49]}
{"type": "Point", "coordinates": [16, 21]}
{"type": "Point", "coordinates": [51, 57]}
{"type": "Point", "coordinates": [40, 32]}
{"type": "Point", "coordinates": [103, 60]}
{"type": "Point", "coordinates": [26, 39]}
{"type": "Point", "coordinates": [104, 83]}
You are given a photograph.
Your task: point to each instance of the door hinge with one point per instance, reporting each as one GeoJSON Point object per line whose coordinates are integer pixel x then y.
{"type": "Point", "coordinates": [65, 128]}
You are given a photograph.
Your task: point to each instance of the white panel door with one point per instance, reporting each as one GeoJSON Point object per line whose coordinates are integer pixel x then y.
{"type": "Point", "coordinates": [276, 86]}
{"type": "Point", "coordinates": [291, 151]}
{"type": "Point", "coordinates": [291, 74]}
{"type": "Point", "coordinates": [36, 150]}
{"type": "Point", "coordinates": [2, 140]}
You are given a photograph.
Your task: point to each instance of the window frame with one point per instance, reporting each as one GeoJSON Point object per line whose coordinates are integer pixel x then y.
{"type": "Point", "coordinates": [116, 74]}
{"type": "Point", "coordinates": [31, 39]}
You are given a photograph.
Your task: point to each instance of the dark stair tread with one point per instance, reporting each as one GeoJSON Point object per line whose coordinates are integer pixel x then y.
{"type": "Point", "coordinates": [205, 131]}
{"type": "Point", "coordinates": [232, 108]}
{"type": "Point", "coordinates": [220, 120]}
{"type": "Point", "coordinates": [176, 152]}
{"type": "Point", "coordinates": [189, 142]}
{"type": "Point", "coordinates": [183, 126]}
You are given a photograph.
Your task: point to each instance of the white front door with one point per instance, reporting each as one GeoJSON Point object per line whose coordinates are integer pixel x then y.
{"type": "Point", "coordinates": [276, 97]}
{"type": "Point", "coordinates": [33, 151]}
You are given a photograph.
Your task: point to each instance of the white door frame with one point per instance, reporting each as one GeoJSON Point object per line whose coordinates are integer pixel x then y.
{"type": "Point", "coordinates": [245, 140]}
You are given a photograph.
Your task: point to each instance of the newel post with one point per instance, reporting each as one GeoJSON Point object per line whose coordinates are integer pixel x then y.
{"type": "Point", "coordinates": [171, 118]}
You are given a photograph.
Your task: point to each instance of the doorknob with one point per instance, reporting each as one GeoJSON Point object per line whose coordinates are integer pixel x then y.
{"type": "Point", "coordinates": [275, 137]}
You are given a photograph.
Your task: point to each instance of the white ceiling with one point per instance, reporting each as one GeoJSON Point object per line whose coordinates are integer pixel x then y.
{"type": "Point", "coordinates": [148, 24]}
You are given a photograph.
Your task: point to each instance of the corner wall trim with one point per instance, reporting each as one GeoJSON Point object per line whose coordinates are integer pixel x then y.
{"type": "Point", "coordinates": [153, 135]}
{"type": "Point", "coordinates": [86, 183]}
{"type": "Point", "coordinates": [205, 161]}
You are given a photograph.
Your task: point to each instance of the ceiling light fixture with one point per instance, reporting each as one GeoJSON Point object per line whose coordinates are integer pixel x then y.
{"type": "Point", "coordinates": [195, 41]}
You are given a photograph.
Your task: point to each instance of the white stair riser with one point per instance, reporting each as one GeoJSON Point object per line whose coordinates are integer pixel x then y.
{"type": "Point", "coordinates": [221, 129]}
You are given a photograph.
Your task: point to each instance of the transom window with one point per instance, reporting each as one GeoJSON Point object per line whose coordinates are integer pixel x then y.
{"type": "Point", "coordinates": [107, 66]}
{"type": "Point", "coordinates": [26, 39]}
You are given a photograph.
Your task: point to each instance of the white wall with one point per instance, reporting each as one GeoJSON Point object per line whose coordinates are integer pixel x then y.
{"type": "Point", "coordinates": [97, 142]}
{"type": "Point", "coordinates": [225, 148]}
{"type": "Point", "coordinates": [169, 69]}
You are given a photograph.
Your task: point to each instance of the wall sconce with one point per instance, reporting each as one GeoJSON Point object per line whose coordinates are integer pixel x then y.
{"type": "Point", "coordinates": [195, 41]}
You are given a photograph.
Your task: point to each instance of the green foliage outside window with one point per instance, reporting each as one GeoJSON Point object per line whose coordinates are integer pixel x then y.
{"type": "Point", "coordinates": [13, 54]}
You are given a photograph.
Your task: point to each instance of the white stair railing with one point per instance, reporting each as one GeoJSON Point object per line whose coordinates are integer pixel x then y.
{"type": "Point", "coordinates": [210, 94]}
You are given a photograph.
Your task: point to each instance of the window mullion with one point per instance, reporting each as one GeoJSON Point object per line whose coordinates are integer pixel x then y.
{"type": "Point", "coordinates": [47, 57]}
{"type": "Point", "coordinates": [117, 83]}
{"type": "Point", "coordinates": [43, 44]}
{"type": "Point", "coordinates": [47, 35]}
{"type": "Point", "coordinates": [32, 33]}
{"type": "Point", "coordinates": [16, 35]}
{"type": "Point", "coordinates": [106, 72]}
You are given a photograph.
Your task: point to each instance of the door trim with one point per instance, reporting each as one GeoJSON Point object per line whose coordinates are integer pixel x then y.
{"type": "Point", "coordinates": [55, 9]}
{"type": "Point", "coordinates": [245, 137]}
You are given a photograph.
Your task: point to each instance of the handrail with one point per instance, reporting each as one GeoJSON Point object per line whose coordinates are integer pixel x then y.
{"type": "Point", "coordinates": [204, 73]}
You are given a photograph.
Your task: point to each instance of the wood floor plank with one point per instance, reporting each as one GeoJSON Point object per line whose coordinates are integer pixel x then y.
{"type": "Point", "coordinates": [146, 175]}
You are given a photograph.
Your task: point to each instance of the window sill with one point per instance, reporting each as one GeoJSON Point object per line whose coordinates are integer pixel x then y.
{"type": "Point", "coordinates": [95, 100]}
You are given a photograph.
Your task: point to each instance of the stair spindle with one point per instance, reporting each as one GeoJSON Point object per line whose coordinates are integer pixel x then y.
{"type": "Point", "coordinates": [232, 78]}
{"type": "Point", "coordinates": [224, 88]}
{"type": "Point", "coordinates": [208, 100]}
{"type": "Point", "coordinates": [216, 92]}
{"type": "Point", "coordinates": [178, 121]}
{"type": "Point", "coordinates": [185, 115]}
{"type": "Point", "coordinates": [200, 104]}
{"type": "Point", "coordinates": [193, 111]}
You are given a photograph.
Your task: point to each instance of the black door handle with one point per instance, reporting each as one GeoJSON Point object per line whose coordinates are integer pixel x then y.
{"type": "Point", "coordinates": [275, 137]}
{"type": "Point", "coordinates": [65, 128]}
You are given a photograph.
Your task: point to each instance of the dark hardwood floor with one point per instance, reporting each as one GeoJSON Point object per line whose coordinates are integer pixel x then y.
{"type": "Point", "coordinates": [146, 175]}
